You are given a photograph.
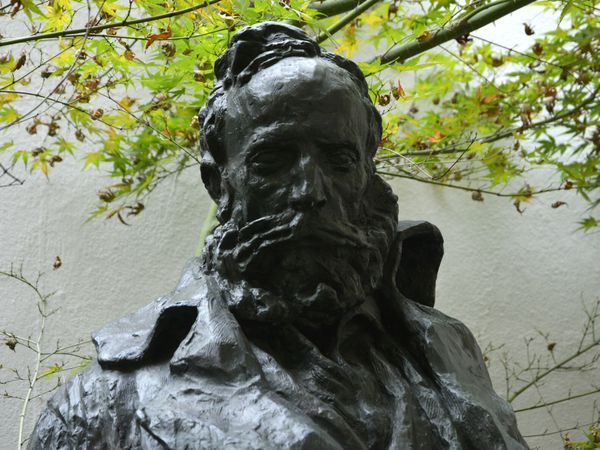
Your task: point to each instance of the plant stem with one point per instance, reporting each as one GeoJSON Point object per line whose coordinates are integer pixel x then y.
{"type": "Point", "coordinates": [33, 379]}
{"type": "Point", "coordinates": [554, 402]}
{"type": "Point", "coordinates": [557, 366]}
{"type": "Point", "coordinates": [470, 189]}
{"type": "Point", "coordinates": [97, 28]}
{"type": "Point", "coordinates": [207, 227]}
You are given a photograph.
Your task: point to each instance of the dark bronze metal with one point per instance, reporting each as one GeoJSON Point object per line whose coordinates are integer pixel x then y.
{"type": "Point", "coordinates": [309, 321]}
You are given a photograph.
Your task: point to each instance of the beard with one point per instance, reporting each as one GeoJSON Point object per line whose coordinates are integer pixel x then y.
{"type": "Point", "coordinates": [302, 267]}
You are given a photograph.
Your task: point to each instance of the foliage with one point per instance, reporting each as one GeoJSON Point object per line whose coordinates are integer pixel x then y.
{"type": "Point", "coordinates": [591, 442]}
{"type": "Point", "coordinates": [42, 375]}
{"type": "Point", "coordinates": [117, 85]}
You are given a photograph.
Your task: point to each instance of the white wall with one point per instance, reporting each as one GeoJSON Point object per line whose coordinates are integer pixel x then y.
{"type": "Point", "coordinates": [504, 274]}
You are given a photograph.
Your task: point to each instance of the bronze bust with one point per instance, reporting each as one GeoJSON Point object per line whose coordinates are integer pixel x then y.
{"type": "Point", "coordinates": [308, 323]}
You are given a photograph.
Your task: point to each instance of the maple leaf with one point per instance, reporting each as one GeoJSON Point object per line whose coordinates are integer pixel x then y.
{"type": "Point", "coordinates": [57, 18]}
{"type": "Point", "coordinates": [437, 137]}
{"type": "Point", "coordinates": [164, 34]}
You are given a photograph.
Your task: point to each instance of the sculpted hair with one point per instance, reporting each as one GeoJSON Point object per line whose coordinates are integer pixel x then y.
{"type": "Point", "coordinates": [252, 49]}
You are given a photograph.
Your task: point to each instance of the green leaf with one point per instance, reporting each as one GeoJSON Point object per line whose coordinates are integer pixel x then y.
{"type": "Point", "coordinates": [6, 146]}
{"type": "Point", "coordinates": [8, 114]}
{"type": "Point", "coordinates": [51, 370]}
{"type": "Point", "coordinates": [92, 158]}
{"type": "Point", "coordinates": [20, 155]}
{"type": "Point", "coordinates": [588, 223]}
{"type": "Point", "coordinates": [566, 9]}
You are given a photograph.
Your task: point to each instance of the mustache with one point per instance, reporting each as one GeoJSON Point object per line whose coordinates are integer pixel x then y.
{"type": "Point", "coordinates": [291, 227]}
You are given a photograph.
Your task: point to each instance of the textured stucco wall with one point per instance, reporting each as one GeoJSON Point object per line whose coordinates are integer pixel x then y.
{"type": "Point", "coordinates": [504, 274]}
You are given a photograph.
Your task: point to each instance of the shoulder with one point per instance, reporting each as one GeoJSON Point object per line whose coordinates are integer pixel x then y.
{"type": "Point", "coordinates": [96, 409]}
{"type": "Point", "coordinates": [448, 342]}
{"type": "Point", "coordinates": [67, 421]}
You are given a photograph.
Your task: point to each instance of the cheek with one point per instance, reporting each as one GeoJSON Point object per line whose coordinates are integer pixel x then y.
{"type": "Point", "coordinates": [351, 187]}
{"type": "Point", "coordinates": [261, 196]}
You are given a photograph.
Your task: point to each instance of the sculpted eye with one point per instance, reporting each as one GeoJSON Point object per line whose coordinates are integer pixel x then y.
{"type": "Point", "coordinates": [268, 160]}
{"type": "Point", "coordinates": [342, 159]}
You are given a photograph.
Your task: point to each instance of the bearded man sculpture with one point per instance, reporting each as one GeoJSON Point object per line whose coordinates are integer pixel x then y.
{"type": "Point", "coordinates": [309, 321]}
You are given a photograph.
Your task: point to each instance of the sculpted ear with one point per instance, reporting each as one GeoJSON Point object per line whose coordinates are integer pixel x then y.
{"type": "Point", "coordinates": [421, 251]}
{"type": "Point", "coordinates": [218, 189]}
{"type": "Point", "coordinates": [211, 177]}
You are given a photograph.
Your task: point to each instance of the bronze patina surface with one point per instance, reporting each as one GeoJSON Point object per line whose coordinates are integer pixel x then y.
{"type": "Point", "coordinates": [308, 323]}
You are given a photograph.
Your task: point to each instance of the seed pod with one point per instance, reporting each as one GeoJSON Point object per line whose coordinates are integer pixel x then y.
{"type": "Point", "coordinates": [169, 49]}
{"type": "Point", "coordinates": [97, 113]}
{"type": "Point", "coordinates": [20, 62]}
{"type": "Point", "coordinates": [384, 99]}
{"type": "Point", "coordinates": [106, 195]}
{"type": "Point", "coordinates": [79, 135]}
{"type": "Point", "coordinates": [477, 196]}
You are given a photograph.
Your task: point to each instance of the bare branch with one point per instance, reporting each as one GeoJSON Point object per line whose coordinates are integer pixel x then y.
{"type": "Point", "coordinates": [470, 189]}
{"type": "Point", "coordinates": [97, 28]}
{"type": "Point", "coordinates": [505, 134]}
{"type": "Point", "coordinates": [554, 402]}
{"type": "Point", "coordinates": [558, 366]}
{"type": "Point", "coordinates": [14, 181]}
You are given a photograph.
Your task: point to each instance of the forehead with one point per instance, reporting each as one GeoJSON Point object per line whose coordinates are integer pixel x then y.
{"type": "Point", "coordinates": [310, 95]}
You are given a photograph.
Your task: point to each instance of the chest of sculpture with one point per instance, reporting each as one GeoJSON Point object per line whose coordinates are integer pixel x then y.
{"type": "Point", "coordinates": [309, 321]}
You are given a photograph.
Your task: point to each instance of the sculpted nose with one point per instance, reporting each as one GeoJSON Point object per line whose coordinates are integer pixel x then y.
{"type": "Point", "coordinates": [308, 190]}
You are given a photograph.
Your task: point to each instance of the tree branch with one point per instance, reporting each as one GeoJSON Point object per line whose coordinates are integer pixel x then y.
{"type": "Point", "coordinates": [554, 402]}
{"type": "Point", "coordinates": [97, 28]}
{"type": "Point", "coordinates": [498, 136]}
{"type": "Point", "coordinates": [42, 307]}
{"type": "Point", "coordinates": [470, 189]}
{"type": "Point", "coordinates": [14, 180]}
{"type": "Point", "coordinates": [334, 7]}
{"type": "Point", "coordinates": [478, 18]}
{"type": "Point", "coordinates": [60, 102]}
{"type": "Point", "coordinates": [560, 431]}
{"type": "Point", "coordinates": [557, 366]}
{"type": "Point", "coordinates": [346, 20]}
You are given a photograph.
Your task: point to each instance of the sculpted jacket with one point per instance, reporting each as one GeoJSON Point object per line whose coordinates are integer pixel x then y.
{"type": "Point", "coordinates": [181, 373]}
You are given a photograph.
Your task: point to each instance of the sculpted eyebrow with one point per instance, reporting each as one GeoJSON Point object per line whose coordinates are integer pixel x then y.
{"type": "Point", "coordinates": [267, 143]}
{"type": "Point", "coordinates": [347, 145]}
{"type": "Point", "coordinates": [267, 136]}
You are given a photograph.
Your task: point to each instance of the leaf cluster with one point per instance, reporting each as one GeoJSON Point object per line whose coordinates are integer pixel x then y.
{"type": "Point", "coordinates": [117, 85]}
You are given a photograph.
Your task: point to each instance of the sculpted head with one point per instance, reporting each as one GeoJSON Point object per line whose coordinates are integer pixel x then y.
{"type": "Point", "coordinates": [288, 138]}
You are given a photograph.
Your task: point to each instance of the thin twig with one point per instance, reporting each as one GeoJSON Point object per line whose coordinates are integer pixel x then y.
{"type": "Point", "coordinates": [545, 373]}
{"type": "Point", "coordinates": [554, 402]}
{"type": "Point", "coordinates": [505, 134]}
{"type": "Point", "coordinates": [97, 28]}
{"type": "Point", "coordinates": [470, 189]}
{"type": "Point", "coordinates": [14, 180]}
